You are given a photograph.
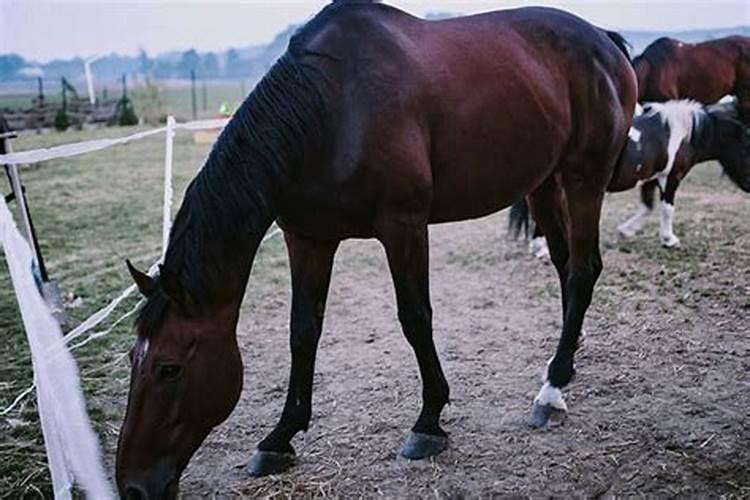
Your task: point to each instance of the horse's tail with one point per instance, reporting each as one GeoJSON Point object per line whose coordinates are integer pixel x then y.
{"type": "Point", "coordinates": [621, 42]}
{"type": "Point", "coordinates": [519, 219]}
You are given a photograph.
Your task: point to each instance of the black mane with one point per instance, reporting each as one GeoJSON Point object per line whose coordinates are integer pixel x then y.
{"type": "Point", "coordinates": [230, 204]}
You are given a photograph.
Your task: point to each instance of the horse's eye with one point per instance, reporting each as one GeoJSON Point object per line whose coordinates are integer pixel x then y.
{"type": "Point", "coordinates": [168, 372]}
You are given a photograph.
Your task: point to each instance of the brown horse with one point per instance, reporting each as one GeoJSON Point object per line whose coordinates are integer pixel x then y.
{"type": "Point", "coordinates": [669, 69]}
{"type": "Point", "coordinates": [373, 124]}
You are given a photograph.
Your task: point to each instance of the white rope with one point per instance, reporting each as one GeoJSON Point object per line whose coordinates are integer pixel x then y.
{"type": "Point", "coordinates": [73, 452]}
{"type": "Point", "coordinates": [79, 148]}
{"type": "Point", "coordinates": [18, 399]}
{"type": "Point", "coordinates": [75, 149]}
{"type": "Point", "coordinates": [218, 123]}
{"type": "Point", "coordinates": [109, 329]}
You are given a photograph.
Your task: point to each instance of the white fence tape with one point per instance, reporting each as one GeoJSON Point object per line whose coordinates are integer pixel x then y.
{"type": "Point", "coordinates": [73, 451]}
{"type": "Point", "coordinates": [79, 148]}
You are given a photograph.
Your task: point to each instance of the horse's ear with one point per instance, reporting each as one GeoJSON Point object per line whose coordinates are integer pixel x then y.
{"type": "Point", "coordinates": [143, 281]}
{"type": "Point", "coordinates": [170, 284]}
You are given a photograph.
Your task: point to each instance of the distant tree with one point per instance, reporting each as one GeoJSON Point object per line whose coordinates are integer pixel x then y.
{"type": "Point", "coordinates": [190, 60]}
{"type": "Point", "coordinates": [233, 66]}
{"type": "Point", "coordinates": [145, 64]}
{"type": "Point", "coordinates": [210, 65]}
{"type": "Point", "coordinates": [9, 65]}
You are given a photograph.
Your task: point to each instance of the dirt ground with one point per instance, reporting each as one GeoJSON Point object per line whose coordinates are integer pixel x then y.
{"type": "Point", "coordinates": [659, 406]}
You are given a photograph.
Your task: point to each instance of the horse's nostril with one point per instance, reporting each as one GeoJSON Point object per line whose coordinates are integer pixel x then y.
{"type": "Point", "coordinates": [135, 492]}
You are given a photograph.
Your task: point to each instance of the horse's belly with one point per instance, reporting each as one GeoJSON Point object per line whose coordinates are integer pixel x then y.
{"type": "Point", "coordinates": [471, 201]}
{"type": "Point", "coordinates": [482, 175]}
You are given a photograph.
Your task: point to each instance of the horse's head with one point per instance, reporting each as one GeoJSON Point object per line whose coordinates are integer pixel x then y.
{"type": "Point", "coordinates": [733, 144]}
{"type": "Point", "coordinates": [186, 377]}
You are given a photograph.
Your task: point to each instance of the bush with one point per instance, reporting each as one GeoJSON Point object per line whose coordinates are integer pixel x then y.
{"type": "Point", "coordinates": [62, 122]}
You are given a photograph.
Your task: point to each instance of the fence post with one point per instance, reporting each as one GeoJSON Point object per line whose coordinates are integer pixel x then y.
{"type": "Point", "coordinates": [192, 94]}
{"type": "Point", "coordinates": [205, 95]}
{"type": "Point", "coordinates": [49, 289]}
{"type": "Point", "coordinates": [167, 215]}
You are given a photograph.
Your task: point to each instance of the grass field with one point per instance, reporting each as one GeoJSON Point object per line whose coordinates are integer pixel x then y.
{"type": "Point", "coordinates": [171, 98]}
{"type": "Point", "coordinates": [94, 211]}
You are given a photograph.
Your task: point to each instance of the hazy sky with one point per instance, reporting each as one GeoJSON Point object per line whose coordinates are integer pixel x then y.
{"type": "Point", "coordinates": [48, 29]}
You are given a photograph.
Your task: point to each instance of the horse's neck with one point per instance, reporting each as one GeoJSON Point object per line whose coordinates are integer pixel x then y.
{"type": "Point", "coordinates": [214, 241]}
{"type": "Point", "coordinates": [704, 141]}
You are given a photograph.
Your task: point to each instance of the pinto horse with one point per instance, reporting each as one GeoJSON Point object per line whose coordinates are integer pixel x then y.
{"type": "Point", "coordinates": [664, 144]}
{"type": "Point", "coordinates": [373, 124]}
{"type": "Point", "coordinates": [669, 69]}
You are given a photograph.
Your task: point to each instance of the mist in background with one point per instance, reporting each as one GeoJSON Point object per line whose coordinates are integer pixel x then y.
{"type": "Point", "coordinates": [43, 30]}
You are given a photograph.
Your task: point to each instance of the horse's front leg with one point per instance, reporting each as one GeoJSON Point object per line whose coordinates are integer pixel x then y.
{"type": "Point", "coordinates": [666, 213]}
{"type": "Point", "coordinates": [311, 263]}
{"type": "Point", "coordinates": [406, 246]}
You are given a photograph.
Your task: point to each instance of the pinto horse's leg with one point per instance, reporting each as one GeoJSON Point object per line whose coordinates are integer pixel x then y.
{"type": "Point", "coordinates": [584, 200]}
{"type": "Point", "coordinates": [630, 227]}
{"type": "Point", "coordinates": [666, 215]}
{"type": "Point", "coordinates": [311, 263]}
{"type": "Point", "coordinates": [407, 250]}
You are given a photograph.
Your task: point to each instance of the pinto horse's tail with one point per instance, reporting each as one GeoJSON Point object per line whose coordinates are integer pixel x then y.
{"type": "Point", "coordinates": [519, 219]}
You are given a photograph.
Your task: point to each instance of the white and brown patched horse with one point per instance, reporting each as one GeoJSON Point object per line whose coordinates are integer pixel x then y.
{"type": "Point", "coordinates": [665, 142]}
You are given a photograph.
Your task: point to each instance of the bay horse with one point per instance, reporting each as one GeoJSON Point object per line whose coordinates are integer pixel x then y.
{"type": "Point", "coordinates": [373, 124]}
{"type": "Point", "coordinates": [669, 70]}
{"type": "Point", "coordinates": [665, 142]}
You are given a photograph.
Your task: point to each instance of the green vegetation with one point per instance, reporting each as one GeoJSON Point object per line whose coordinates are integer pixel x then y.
{"type": "Point", "coordinates": [154, 101]}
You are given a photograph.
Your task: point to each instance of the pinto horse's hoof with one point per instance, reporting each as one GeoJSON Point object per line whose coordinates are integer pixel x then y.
{"type": "Point", "coordinates": [541, 414]}
{"type": "Point", "coordinates": [419, 445]}
{"type": "Point", "coordinates": [265, 463]}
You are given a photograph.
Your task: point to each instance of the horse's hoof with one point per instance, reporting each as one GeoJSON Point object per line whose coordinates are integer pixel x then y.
{"type": "Point", "coordinates": [419, 445]}
{"type": "Point", "coordinates": [265, 463]}
{"type": "Point", "coordinates": [627, 231]}
{"type": "Point", "coordinates": [670, 242]}
{"type": "Point", "coordinates": [542, 414]}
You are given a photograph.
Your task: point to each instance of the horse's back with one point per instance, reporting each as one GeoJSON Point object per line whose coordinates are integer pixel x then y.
{"type": "Point", "coordinates": [704, 71]}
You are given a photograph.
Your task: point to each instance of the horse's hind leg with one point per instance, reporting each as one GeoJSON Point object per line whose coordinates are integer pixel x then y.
{"type": "Point", "coordinates": [406, 246]}
{"type": "Point", "coordinates": [583, 206]}
{"type": "Point", "coordinates": [547, 210]}
{"type": "Point", "coordinates": [311, 263]}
